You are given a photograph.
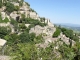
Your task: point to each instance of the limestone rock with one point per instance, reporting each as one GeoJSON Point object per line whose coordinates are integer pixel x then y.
{"type": "Point", "coordinates": [27, 25]}
{"type": "Point", "coordinates": [34, 15]}
{"type": "Point", "coordinates": [15, 4]}
{"type": "Point", "coordinates": [8, 24]}
{"type": "Point", "coordinates": [48, 30]}
{"type": "Point", "coordinates": [4, 15]}
{"type": "Point", "coordinates": [14, 15]}
{"type": "Point", "coordinates": [66, 39]}
{"type": "Point", "coordinates": [2, 42]}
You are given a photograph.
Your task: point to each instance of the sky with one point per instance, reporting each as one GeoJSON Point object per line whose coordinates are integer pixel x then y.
{"type": "Point", "coordinates": [58, 11]}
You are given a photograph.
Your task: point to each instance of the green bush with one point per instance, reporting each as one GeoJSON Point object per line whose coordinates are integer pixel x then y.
{"type": "Point", "coordinates": [66, 52]}
{"type": "Point", "coordinates": [57, 32]}
{"type": "Point", "coordinates": [69, 33]}
{"type": "Point", "coordinates": [39, 39]}
{"type": "Point", "coordinates": [22, 26]}
{"type": "Point", "coordinates": [6, 20]}
{"type": "Point", "coordinates": [10, 7]}
{"type": "Point", "coordinates": [4, 31]}
{"type": "Point", "coordinates": [16, 8]}
{"type": "Point", "coordinates": [15, 24]}
{"type": "Point", "coordinates": [42, 19]}
{"type": "Point", "coordinates": [34, 22]}
{"type": "Point", "coordinates": [1, 3]}
{"type": "Point", "coordinates": [0, 18]}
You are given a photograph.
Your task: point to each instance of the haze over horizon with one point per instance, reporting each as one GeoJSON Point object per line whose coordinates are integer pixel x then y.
{"type": "Point", "coordinates": [58, 11]}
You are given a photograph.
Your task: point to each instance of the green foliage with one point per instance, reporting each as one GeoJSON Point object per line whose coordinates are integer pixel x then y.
{"type": "Point", "coordinates": [28, 4]}
{"type": "Point", "coordinates": [69, 33]}
{"type": "Point", "coordinates": [15, 24]}
{"type": "Point", "coordinates": [16, 8]}
{"type": "Point", "coordinates": [4, 21]}
{"type": "Point", "coordinates": [38, 39]}
{"type": "Point", "coordinates": [1, 3]}
{"type": "Point", "coordinates": [32, 10]}
{"type": "Point", "coordinates": [12, 39]}
{"type": "Point", "coordinates": [4, 31]}
{"type": "Point", "coordinates": [30, 26]}
{"type": "Point", "coordinates": [25, 37]}
{"type": "Point", "coordinates": [9, 7]}
{"type": "Point", "coordinates": [15, 0]}
{"type": "Point", "coordinates": [34, 22]}
{"type": "Point", "coordinates": [67, 52]}
{"type": "Point", "coordinates": [0, 18]}
{"type": "Point", "coordinates": [22, 26]}
{"type": "Point", "coordinates": [32, 36]}
{"type": "Point", "coordinates": [57, 32]}
{"type": "Point", "coordinates": [25, 52]}
{"type": "Point", "coordinates": [42, 19]}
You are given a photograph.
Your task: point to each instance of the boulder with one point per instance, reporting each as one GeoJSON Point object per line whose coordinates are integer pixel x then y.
{"type": "Point", "coordinates": [3, 15]}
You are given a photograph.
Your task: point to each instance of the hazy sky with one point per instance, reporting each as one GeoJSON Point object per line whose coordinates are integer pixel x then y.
{"type": "Point", "coordinates": [58, 11]}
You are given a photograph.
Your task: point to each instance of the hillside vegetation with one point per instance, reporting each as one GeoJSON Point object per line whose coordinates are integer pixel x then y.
{"type": "Point", "coordinates": [31, 37]}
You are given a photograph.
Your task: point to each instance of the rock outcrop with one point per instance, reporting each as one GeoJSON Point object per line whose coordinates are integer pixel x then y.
{"type": "Point", "coordinates": [4, 58]}
{"type": "Point", "coordinates": [48, 30]}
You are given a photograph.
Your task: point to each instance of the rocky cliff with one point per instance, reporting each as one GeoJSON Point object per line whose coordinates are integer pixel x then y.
{"type": "Point", "coordinates": [18, 15]}
{"type": "Point", "coordinates": [22, 9]}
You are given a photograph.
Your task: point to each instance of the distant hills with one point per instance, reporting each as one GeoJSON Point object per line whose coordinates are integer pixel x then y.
{"type": "Point", "coordinates": [70, 26]}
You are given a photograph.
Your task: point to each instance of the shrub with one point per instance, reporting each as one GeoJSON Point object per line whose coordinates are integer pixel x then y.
{"type": "Point", "coordinates": [34, 22]}
{"type": "Point", "coordinates": [1, 3]}
{"type": "Point", "coordinates": [15, 24]}
{"type": "Point", "coordinates": [16, 8]}
{"type": "Point", "coordinates": [4, 31]}
{"type": "Point", "coordinates": [69, 33]}
{"type": "Point", "coordinates": [22, 26]}
{"type": "Point", "coordinates": [6, 20]}
{"type": "Point", "coordinates": [57, 32]}
{"type": "Point", "coordinates": [10, 7]}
